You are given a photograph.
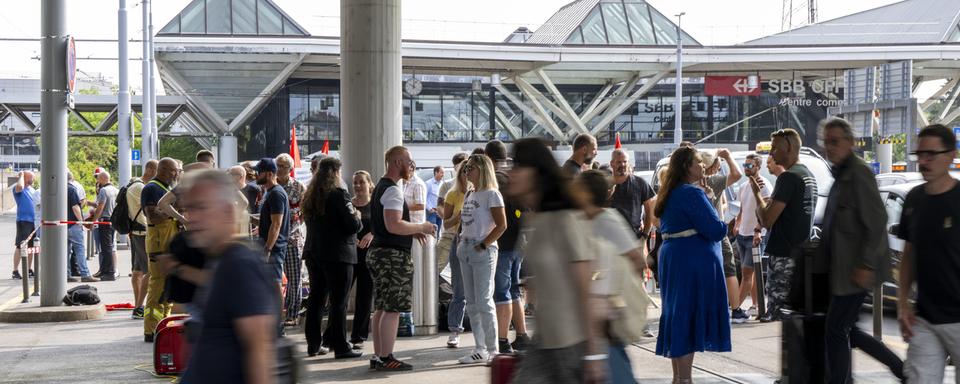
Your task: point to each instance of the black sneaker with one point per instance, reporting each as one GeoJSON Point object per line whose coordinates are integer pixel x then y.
{"type": "Point", "coordinates": [521, 343]}
{"type": "Point", "coordinates": [375, 362]}
{"type": "Point", "coordinates": [148, 338]}
{"type": "Point", "coordinates": [392, 364]}
{"type": "Point", "coordinates": [31, 273]}
{"type": "Point", "coordinates": [768, 318]}
{"type": "Point", "coordinates": [739, 316]}
{"type": "Point", "coordinates": [504, 346]}
{"type": "Point", "coordinates": [137, 313]}
{"type": "Point", "coordinates": [16, 275]}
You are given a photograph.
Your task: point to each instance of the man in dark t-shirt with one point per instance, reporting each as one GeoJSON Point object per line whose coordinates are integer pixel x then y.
{"type": "Point", "coordinates": [632, 195]}
{"type": "Point", "coordinates": [274, 215]}
{"type": "Point", "coordinates": [584, 151]}
{"type": "Point", "coordinates": [930, 225]}
{"type": "Point", "coordinates": [237, 338]}
{"type": "Point", "coordinates": [789, 216]}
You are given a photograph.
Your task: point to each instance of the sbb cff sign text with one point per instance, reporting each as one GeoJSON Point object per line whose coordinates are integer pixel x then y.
{"type": "Point", "coordinates": [799, 86]}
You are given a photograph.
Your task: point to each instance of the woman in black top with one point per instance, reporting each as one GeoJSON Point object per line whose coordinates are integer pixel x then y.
{"type": "Point", "coordinates": [330, 253]}
{"type": "Point", "coordinates": [362, 191]}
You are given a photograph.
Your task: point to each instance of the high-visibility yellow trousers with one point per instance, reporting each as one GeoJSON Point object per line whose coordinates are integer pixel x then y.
{"type": "Point", "coordinates": [153, 310]}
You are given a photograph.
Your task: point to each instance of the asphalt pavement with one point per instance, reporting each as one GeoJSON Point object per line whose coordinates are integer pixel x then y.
{"type": "Point", "coordinates": [112, 349]}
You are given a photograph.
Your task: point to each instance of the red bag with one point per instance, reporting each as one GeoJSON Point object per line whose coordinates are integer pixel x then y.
{"type": "Point", "coordinates": [171, 352]}
{"type": "Point", "coordinates": [166, 321]}
{"type": "Point", "coordinates": [503, 368]}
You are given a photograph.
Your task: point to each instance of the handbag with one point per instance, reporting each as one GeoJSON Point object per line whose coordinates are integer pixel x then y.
{"type": "Point", "coordinates": [629, 304]}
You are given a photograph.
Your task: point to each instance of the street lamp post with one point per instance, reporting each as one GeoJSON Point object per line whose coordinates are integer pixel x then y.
{"type": "Point", "coordinates": [677, 104]}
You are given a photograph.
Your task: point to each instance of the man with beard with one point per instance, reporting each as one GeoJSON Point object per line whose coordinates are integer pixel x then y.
{"type": "Point", "coordinates": [584, 151]}
{"type": "Point", "coordinates": [274, 227]}
{"type": "Point", "coordinates": [161, 228]}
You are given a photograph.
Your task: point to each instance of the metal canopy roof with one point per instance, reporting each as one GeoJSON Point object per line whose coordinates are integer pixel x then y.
{"type": "Point", "coordinates": [609, 22]}
{"type": "Point", "coordinates": [906, 22]}
{"type": "Point", "coordinates": [232, 17]}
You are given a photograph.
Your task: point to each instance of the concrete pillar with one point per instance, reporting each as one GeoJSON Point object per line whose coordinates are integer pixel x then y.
{"type": "Point", "coordinates": [123, 98]}
{"type": "Point", "coordinates": [370, 83]}
{"type": "Point", "coordinates": [147, 123]}
{"type": "Point", "coordinates": [227, 150]}
{"type": "Point", "coordinates": [885, 157]}
{"type": "Point", "coordinates": [53, 152]}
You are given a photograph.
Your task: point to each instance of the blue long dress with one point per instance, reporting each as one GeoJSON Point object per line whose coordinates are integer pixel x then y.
{"type": "Point", "coordinates": [692, 285]}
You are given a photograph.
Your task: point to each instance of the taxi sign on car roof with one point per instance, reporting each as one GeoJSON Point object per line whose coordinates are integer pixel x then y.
{"type": "Point", "coordinates": [763, 147]}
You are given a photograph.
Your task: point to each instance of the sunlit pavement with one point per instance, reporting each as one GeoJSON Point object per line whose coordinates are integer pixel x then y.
{"type": "Point", "coordinates": [112, 349]}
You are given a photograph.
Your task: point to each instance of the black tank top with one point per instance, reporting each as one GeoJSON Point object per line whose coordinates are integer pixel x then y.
{"type": "Point", "coordinates": [381, 237]}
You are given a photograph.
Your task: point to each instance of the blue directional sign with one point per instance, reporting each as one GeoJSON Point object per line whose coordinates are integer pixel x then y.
{"type": "Point", "coordinates": [135, 155]}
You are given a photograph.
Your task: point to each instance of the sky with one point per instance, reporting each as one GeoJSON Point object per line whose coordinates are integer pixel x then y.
{"type": "Point", "coordinates": [711, 22]}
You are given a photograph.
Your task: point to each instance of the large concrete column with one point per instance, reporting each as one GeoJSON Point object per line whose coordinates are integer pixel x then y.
{"type": "Point", "coordinates": [370, 83]}
{"type": "Point", "coordinates": [53, 151]}
{"type": "Point", "coordinates": [227, 151]}
{"type": "Point", "coordinates": [123, 98]}
{"type": "Point", "coordinates": [147, 123]}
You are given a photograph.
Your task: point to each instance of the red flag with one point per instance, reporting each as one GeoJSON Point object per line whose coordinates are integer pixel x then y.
{"type": "Point", "coordinates": [294, 149]}
{"type": "Point", "coordinates": [326, 147]}
{"type": "Point", "coordinates": [617, 145]}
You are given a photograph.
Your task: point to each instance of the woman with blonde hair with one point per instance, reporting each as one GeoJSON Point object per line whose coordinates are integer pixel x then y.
{"type": "Point", "coordinates": [483, 221]}
{"type": "Point", "coordinates": [452, 204]}
{"type": "Point", "coordinates": [362, 193]}
{"type": "Point", "coordinates": [694, 317]}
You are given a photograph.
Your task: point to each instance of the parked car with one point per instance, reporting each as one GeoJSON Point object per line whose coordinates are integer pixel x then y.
{"type": "Point", "coordinates": [893, 198]}
{"type": "Point", "coordinates": [893, 178]}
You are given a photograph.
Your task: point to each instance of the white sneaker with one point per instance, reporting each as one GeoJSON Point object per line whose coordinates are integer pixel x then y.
{"type": "Point", "coordinates": [752, 311]}
{"type": "Point", "coordinates": [490, 356]}
{"type": "Point", "coordinates": [454, 340]}
{"type": "Point", "coordinates": [477, 357]}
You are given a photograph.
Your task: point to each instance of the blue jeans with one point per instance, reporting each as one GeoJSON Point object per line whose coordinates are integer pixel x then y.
{"type": "Point", "coordinates": [619, 363]}
{"type": "Point", "coordinates": [478, 269]}
{"type": "Point", "coordinates": [75, 242]}
{"type": "Point", "coordinates": [458, 304]}
{"type": "Point", "coordinates": [507, 279]}
{"type": "Point", "coordinates": [436, 220]}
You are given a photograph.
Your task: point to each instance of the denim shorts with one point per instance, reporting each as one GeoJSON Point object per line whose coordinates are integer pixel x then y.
{"type": "Point", "coordinates": [745, 250]}
{"type": "Point", "coordinates": [275, 262]}
{"type": "Point", "coordinates": [507, 278]}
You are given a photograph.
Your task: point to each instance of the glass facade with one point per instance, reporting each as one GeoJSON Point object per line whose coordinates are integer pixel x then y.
{"type": "Point", "coordinates": [626, 22]}
{"type": "Point", "coordinates": [232, 17]}
{"type": "Point", "coordinates": [455, 111]}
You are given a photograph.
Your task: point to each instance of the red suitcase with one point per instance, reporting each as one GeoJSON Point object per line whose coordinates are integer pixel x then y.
{"type": "Point", "coordinates": [171, 352]}
{"type": "Point", "coordinates": [166, 320]}
{"type": "Point", "coordinates": [503, 368]}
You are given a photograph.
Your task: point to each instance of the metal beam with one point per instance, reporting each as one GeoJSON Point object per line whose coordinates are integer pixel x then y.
{"type": "Point", "coordinates": [940, 92]}
{"type": "Point", "coordinates": [540, 114]}
{"type": "Point", "coordinates": [171, 118]}
{"type": "Point", "coordinates": [179, 84]}
{"type": "Point", "coordinates": [561, 102]}
{"type": "Point", "coordinates": [3, 115]}
{"type": "Point", "coordinates": [16, 112]}
{"type": "Point", "coordinates": [950, 101]}
{"type": "Point", "coordinates": [617, 109]}
{"type": "Point", "coordinates": [252, 109]}
{"type": "Point", "coordinates": [921, 118]}
{"type": "Point", "coordinates": [596, 101]}
{"type": "Point", "coordinates": [507, 124]}
{"type": "Point", "coordinates": [617, 98]}
{"type": "Point", "coordinates": [83, 120]}
{"type": "Point", "coordinates": [537, 96]}
{"type": "Point", "coordinates": [949, 118]}
{"type": "Point", "coordinates": [108, 120]}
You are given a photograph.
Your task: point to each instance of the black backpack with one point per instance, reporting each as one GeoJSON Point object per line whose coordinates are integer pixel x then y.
{"type": "Point", "coordinates": [82, 295]}
{"type": "Point", "coordinates": [120, 218]}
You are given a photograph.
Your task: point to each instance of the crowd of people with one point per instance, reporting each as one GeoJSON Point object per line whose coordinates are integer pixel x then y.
{"type": "Point", "coordinates": [574, 242]}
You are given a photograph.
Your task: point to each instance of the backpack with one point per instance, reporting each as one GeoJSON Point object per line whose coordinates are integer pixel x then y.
{"type": "Point", "coordinates": [82, 295]}
{"type": "Point", "coordinates": [120, 218]}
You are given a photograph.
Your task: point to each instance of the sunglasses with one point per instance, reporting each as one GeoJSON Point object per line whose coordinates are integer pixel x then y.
{"type": "Point", "coordinates": [749, 165]}
{"type": "Point", "coordinates": [927, 155]}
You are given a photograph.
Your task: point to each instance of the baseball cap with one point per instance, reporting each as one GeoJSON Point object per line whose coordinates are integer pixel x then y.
{"type": "Point", "coordinates": [708, 157]}
{"type": "Point", "coordinates": [97, 171]}
{"type": "Point", "coordinates": [267, 164]}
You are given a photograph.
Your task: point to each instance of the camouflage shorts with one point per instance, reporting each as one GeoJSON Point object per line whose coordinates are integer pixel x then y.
{"type": "Point", "coordinates": [392, 272]}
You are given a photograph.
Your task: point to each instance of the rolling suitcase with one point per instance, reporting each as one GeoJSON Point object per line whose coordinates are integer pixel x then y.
{"type": "Point", "coordinates": [803, 344]}
{"type": "Point", "coordinates": [503, 368]}
{"type": "Point", "coordinates": [171, 352]}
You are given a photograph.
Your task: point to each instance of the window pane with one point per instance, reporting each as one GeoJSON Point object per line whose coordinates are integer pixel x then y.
{"type": "Point", "coordinates": [640, 27]}
{"type": "Point", "coordinates": [324, 114]}
{"type": "Point", "coordinates": [173, 27]}
{"type": "Point", "coordinates": [593, 28]}
{"type": "Point", "coordinates": [218, 16]}
{"type": "Point", "coordinates": [955, 36]}
{"type": "Point", "coordinates": [192, 18]}
{"type": "Point", "coordinates": [665, 30]}
{"type": "Point", "coordinates": [575, 37]}
{"type": "Point", "coordinates": [271, 23]}
{"type": "Point", "coordinates": [290, 29]}
{"type": "Point", "coordinates": [616, 23]}
{"type": "Point", "coordinates": [244, 17]}
{"type": "Point", "coordinates": [457, 116]}
{"type": "Point", "coordinates": [426, 118]}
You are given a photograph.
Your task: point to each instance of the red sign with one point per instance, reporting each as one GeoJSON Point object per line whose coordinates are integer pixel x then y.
{"type": "Point", "coordinates": [732, 86]}
{"type": "Point", "coordinates": [71, 65]}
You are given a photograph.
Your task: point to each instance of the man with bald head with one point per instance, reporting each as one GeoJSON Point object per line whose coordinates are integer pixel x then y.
{"type": "Point", "coordinates": [106, 201]}
{"type": "Point", "coordinates": [161, 228]}
{"type": "Point", "coordinates": [138, 236]}
{"type": "Point", "coordinates": [632, 195]}
{"type": "Point", "coordinates": [26, 197]}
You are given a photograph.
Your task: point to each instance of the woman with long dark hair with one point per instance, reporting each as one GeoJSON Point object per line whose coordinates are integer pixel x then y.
{"type": "Point", "coordinates": [331, 253]}
{"type": "Point", "coordinates": [362, 191]}
{"type": "Point", "coordinates": [569, 345]}
{"type": "Point", "coordinates": [694, 317]}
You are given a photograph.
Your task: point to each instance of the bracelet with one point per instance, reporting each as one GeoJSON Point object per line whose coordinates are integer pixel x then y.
{"type": "Point", "coordinates": [599, 357]}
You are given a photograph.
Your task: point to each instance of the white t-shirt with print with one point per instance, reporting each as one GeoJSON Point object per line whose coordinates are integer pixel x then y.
{"type": "Point", "coordinates": [476, 220]}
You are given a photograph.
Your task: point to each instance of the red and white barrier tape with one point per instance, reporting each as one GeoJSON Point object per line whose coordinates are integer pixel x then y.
{"type": "Point", "coordinates": [71, 222]}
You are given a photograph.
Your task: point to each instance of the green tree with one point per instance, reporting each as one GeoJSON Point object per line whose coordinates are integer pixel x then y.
{"type": "Point", "coordinates": [181, 148]}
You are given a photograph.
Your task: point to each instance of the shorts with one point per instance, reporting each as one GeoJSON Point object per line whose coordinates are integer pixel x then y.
{"type": "Point", "coordinates": [24, 229]}
{"type": "Point", "coordinates": [745, 250]}
{"type": "Point", "coordinates": [392, 272]}
{"type": "Point", "coordinates": [506, 280]}
{"type": "Point", "coordinates": [275, 262]}
{"type": "Point", "coordinates": [729, 267]}
{"type": "Point", "coordinates": [138, 253]}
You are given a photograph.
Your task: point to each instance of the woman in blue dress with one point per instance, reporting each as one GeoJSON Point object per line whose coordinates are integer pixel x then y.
{"type": "Point", "coordinates": [694, 316]}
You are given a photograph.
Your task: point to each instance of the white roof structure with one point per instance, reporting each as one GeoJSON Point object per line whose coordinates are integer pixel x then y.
{"type": "Point", "coordinates": [609, 22]}
{"type": "Point", "coordinates": [905, 22]}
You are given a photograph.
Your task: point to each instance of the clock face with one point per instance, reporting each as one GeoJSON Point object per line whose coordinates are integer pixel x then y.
{"type": "Point", "coordinates": [413, 87]}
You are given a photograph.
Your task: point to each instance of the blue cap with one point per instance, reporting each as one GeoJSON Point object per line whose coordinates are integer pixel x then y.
{"type": "Point", "coordinates": [267, 164]}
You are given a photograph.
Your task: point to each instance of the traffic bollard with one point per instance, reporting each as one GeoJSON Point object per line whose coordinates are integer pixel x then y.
{"type": "Point", "coordinates": [758, 277]}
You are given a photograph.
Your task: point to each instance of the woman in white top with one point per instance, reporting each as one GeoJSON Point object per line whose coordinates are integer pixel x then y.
{"type": "Point", "coordinates": [482, 221]}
